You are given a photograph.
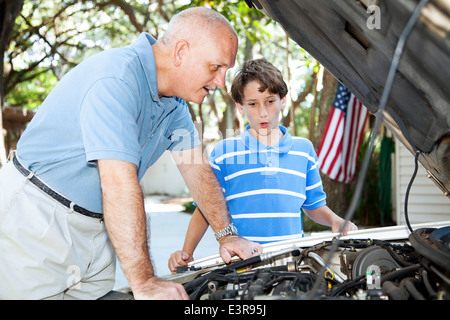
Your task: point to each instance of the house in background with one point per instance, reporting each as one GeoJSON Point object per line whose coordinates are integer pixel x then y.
{"type": "Point", "coordinates": [164, 178]}
{"type": "Point", "coordinates": [426, 201]}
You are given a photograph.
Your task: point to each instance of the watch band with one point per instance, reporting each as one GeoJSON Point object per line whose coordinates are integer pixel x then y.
{"type": "Point", "coordinates": [228, 230]}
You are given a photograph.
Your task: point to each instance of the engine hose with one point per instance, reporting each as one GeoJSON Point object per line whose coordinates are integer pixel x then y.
{"type": "Point", "coordinates": [192, 285]}
{"type": "Point", "coordinates": [359, 281]}
{"type": "Point", "coordinates": [198, 292]}
{"type": "Point", "coordinates": [404, 290]}
{"type": "Point", "coordinates": [410, 285]}
{"type": "Point", "coordinates": [400, 274]}
{"type": "Point", "coordinates": [432, 293]}
{"type": "Point", "coordinates": [394, 292]}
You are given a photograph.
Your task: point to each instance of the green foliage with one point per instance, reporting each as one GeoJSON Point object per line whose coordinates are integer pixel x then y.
{"type": "Point", "coordinates": [32, 92]}
{"type": "Point", "coordinates": [189, 207]}
{"type": "Point", "coordinates": [368, 210]}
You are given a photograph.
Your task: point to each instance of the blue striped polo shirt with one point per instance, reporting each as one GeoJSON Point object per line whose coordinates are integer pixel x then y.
{"type": "Point", "coordinates": [266, 186]}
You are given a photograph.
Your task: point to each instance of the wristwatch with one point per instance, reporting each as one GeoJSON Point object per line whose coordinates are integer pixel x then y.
{"type": "Point", "coordinates": [229, 230]}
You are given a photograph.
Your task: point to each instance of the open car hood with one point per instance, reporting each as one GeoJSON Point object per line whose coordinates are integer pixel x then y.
{"type": "Point", "coordinates": [358, 50]}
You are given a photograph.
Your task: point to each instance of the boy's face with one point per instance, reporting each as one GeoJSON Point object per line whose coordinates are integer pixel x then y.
{"type": "Point", "coordinates": [262, 109]}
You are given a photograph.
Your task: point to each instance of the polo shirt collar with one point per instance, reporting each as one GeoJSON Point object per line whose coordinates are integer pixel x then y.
{"type": "Point", "coordinates": [143, 46]}
{"type": "Point", "coordinates": [254, 145]}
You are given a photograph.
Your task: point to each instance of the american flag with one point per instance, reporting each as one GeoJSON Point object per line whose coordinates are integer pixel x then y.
{"type": "Point", "coordinates": [339, 148]}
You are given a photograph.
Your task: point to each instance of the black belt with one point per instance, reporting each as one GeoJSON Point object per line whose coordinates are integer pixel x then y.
{"type": "Point", "coordinates": [55, 195]}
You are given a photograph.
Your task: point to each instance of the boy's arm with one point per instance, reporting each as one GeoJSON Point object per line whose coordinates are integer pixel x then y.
{"type": "Point", "coordinates": [325, 216]}
{"type": "Point", "coordinates": [196, 229]}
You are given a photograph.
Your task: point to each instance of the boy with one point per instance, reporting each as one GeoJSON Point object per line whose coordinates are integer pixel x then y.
{"type": "Point", "coordinates": [266, 174]}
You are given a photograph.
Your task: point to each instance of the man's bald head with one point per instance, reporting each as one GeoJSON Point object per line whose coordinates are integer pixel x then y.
{"type": "Point", "coordinates": [197, 24]}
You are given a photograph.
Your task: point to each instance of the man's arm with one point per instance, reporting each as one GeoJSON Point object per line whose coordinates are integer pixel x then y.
{"type": "Point", "coordinates": [207, 193]}
{"type": "Point", "coordinates": [126, 223]}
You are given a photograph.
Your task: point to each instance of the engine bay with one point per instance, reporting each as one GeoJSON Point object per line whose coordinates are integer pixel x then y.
{"type": "Point", "coordinates": [417, 268]}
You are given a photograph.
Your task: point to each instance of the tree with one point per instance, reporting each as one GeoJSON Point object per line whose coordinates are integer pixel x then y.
{"type": "Point", "coordinates": [9, 10]}
{"type": "Point", "coordinates": [51, 37]}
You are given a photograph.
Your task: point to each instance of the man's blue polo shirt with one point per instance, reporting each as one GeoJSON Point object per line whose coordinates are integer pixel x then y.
{"type": "Point", "coordinates": [266, 186]}
{"type": "Point", "coordinates": [107, 107]}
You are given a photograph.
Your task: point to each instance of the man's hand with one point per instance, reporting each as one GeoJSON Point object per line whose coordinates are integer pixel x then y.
{"type": "Point", "coordinates": [179, 259]}
{"type": "Point", "coordinates": [156, 289]}
{"type": "Point", "coordinates": [235, 245]}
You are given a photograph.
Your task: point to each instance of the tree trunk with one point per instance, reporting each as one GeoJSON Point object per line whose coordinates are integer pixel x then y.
{"type": "Point", "coordinates": [312, 119]}
{"type": "Point", "coordinates": [329, 84]}
{"type": "Point", "coordinates": [288, 119]}
{"type": "Point", "coordinates": [9, 10]}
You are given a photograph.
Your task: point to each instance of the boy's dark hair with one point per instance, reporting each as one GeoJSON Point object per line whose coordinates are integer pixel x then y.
{"type": "Point", "coordinates": [264, 73]}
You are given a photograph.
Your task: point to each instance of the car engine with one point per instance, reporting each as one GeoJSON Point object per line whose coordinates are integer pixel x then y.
{"type": "Point", "coordinates": [417, 268]}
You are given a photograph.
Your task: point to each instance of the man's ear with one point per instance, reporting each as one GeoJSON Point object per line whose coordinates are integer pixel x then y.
{"type": "Point", "coordinates": [180, 50]}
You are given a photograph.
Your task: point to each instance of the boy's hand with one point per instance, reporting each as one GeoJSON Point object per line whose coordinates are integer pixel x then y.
{"type": "Point", "coordinates": [337, 226]}
{"type": "Point", "coordinates": [179, 259]}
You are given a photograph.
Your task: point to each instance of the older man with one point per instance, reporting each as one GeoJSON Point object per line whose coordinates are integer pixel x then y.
{"type": "Point", "coordinates": [77, 168]}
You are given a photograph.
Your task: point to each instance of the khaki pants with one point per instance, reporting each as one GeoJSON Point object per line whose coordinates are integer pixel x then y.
{"type": "Point", "coordinates": [46, 250]}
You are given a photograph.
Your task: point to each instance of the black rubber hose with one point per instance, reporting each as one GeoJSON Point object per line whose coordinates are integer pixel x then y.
{"type": "Point", "coordinates": [394, 292]}
{"type": "Point", "coordinates": [410, 285]}
{"type": "Point", "coordinates": [402, 273]}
